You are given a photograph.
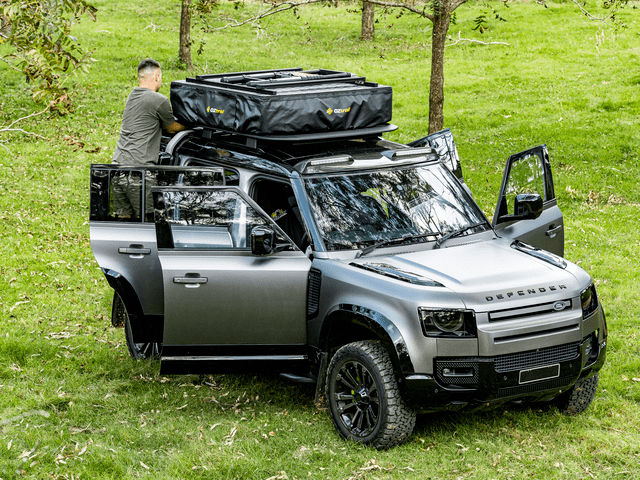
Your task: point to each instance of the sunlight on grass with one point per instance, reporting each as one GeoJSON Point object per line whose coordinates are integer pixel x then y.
{"type": "Point", "coordinates": [74, 405]}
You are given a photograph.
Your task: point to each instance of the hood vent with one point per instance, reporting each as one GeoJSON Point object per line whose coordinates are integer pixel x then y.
{"type": "Point", "coordinates": [393, 272]}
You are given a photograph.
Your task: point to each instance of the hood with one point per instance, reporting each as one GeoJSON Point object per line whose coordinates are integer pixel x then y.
{"type": "Point", "coordinates": [483, 273]}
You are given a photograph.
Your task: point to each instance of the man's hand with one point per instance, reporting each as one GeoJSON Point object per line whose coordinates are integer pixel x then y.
{"type": "Point", "coordinates": [175, 127]}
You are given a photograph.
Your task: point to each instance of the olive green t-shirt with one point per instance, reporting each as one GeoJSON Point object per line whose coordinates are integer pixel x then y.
{"type": "Point", "coordinates": [145, 113]}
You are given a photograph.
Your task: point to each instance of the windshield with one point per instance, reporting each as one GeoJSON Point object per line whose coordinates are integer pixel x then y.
{"type": "Point", "coordinates": [420, 203]}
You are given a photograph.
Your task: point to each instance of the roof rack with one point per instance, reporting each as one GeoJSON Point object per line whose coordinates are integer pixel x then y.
{"type": "Point", "coordinates": [267, 81]}
{"type": "Point", "coordinates": [252, 140]}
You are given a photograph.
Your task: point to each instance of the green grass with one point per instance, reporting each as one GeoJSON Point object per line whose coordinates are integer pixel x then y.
{"type": "Point", "coordinates": [74, 405]}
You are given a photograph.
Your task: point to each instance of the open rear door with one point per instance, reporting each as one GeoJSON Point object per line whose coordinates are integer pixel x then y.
{"type": "Point", "coordinates": [530, 172]}
{"type": "Point", "coordinates": [442, 142]}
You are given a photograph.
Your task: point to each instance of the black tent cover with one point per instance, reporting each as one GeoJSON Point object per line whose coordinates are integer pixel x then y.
{"type": "Point", "coordinates": [281, 102]}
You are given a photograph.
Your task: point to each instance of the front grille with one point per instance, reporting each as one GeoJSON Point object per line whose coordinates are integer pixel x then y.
{"type": "Point", "coordinates": [534, 310]}
{"type": "Point", "coordinates": [533, 358]}
{"type": "Point", "coordinates": [475, 372]}
{"type": "Point", "coordinates": [554, 384]}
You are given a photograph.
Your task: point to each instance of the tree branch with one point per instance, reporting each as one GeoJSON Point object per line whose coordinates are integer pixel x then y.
{"type": "Point", "coordinates": [274, 9]}
{"type": "Point", "coordinates": [6, 148]}
{"type": "Point", "coordinates": [455, 42]}
{"type": "Point", "coordinates": [421, 9]}
{"type": "Point", "coordinates": [10, 65]}
{"type": "Point", "coordinates": [454, 4]}
{"type": "Point", "coordinates": [412, 8]}
{"type": "Point", "coordinates": [23, 131]}
{"type": "Point", "coordinates": [9, 128]}
{"type": "Point", "coordinates": [587, 14]}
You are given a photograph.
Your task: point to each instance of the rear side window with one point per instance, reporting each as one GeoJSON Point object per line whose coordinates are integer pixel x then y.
{"type": "Point", "coordinates": [123, 193]}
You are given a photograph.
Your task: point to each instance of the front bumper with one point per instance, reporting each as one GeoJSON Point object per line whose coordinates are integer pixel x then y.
{"type": "Point", "coordinates": [486, 382]}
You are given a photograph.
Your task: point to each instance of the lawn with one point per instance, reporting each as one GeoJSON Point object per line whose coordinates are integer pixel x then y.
{"type": "Point", "coordinates": [74, 405]}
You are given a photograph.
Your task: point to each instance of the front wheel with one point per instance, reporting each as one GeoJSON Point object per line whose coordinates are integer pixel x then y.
{"type": "Point", "coordinates": [120, 317]}
{"type": "Point", "coordinates": [578, 398]}
{"type": "Point", "coordinates": [364, 399]}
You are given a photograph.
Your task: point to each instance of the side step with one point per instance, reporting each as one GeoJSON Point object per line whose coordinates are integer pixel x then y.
{"type": "Point", "coordinates": [180, 365]}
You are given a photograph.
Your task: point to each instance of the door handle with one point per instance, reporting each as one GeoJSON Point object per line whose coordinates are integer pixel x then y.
{"type": "Point", "coordinates": [193, 280]}
{"type": "Point", "coordinates": [135, 250]}
{"type": "Point", "coordinates": [553, 230]}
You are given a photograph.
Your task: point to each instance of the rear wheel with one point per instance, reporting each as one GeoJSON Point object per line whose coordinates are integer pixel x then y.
{"type": "Point", "coordinates": [120, 318]}
{"type": "Point", "coordinates": [577, 399]}
{"type": "Point", "coordinates": [364, 399]}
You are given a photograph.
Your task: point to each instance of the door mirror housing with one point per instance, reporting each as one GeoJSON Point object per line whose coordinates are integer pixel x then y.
{"type": "Point", "coordinates": [264, 241]}
{"type": "Point", "coordinates": [527, 206]}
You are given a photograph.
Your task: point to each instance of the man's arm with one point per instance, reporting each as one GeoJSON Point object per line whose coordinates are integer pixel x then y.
{"type": "Point", "coordinates": [175, 127]}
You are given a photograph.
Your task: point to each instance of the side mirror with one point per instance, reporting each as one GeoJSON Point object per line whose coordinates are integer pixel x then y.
{"type": "Point", "coordinates": [264, 241]}
{"type": "Point", "coordinates": [527, 206]}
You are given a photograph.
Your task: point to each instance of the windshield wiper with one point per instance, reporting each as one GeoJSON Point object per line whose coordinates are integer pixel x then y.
{"type": "Point", "coordinates": [394, 241]}
{"type": "Point", "coordinates": [458, 232]}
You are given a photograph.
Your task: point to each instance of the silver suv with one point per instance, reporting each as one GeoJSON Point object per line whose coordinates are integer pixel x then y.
{"type": "Point", "coordinates": [358, 264]}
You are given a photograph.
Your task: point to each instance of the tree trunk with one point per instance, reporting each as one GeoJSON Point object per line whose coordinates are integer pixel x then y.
{"type": "Point", "coordinates": [436, 89]}
{"type": "Point", "coordinates": [368, 19]}
{"type": "Point", "coordinates": [185, 34]}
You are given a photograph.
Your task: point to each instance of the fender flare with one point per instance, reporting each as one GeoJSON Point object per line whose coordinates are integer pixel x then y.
{"type": "Point", "coordinates": [123, 288]}
{"type": "Point", "coordinates": [377, 323]}
{"type": "Point", "coordinates": [144, 328]}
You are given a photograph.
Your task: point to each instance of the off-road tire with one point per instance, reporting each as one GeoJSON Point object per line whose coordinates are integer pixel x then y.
{"type": "Point", "coordinates": [363, 396]}
{"type": "Point", "coordinates": [120, 317]}
{"type": "Point", "coordinates": [577, 399]}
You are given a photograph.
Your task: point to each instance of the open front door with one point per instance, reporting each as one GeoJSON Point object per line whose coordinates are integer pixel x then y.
{"type": "Point", "coordinates": [530, 172]}
{"type": "Point", "coordinates": [226, 309]}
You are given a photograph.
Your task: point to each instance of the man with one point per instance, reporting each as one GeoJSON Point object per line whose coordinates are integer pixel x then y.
{"type": "Point", "coordinates": [146, 113]}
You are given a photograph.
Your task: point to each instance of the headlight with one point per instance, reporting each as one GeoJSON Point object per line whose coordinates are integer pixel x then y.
{"type": "Point", "coordinates": [589, 300]}
{"type": "Point", "coordinates": [447, 323]}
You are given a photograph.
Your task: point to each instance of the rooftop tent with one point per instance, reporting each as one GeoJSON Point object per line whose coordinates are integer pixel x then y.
{"type": "Point", "coordinates": [281, 102]}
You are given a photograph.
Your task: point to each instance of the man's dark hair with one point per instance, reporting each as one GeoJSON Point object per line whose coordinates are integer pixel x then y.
{"type": "Point", "coordinates": [147, 66]}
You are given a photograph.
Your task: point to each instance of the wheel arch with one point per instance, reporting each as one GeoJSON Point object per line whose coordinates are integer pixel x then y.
{"type": "Point", "coordinates": [145, 328]}
{"type": "Point", "coordinates": [125, 290]}
{"type": "Point", "coordinates": [349, 323]}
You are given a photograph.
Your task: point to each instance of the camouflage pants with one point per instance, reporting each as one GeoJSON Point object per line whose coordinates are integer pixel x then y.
{"type": "Point", "coordinates": [127, 194]}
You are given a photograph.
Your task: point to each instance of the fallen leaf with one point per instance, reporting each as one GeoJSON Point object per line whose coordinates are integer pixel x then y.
{"type": "Point", "coordinates": [280, 476]}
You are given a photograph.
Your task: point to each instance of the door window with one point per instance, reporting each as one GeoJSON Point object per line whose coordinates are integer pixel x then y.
{"type": "Point", "coordinates": [526, 176]}
{"type": "Point", "coordinates": [530, 172]}
{"type": "Point", "coordinates": [526, 172]}
{"type": "Point", "coordinates": [211, 219]}
{"type": "Point", "coordinates": [278, 201]}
